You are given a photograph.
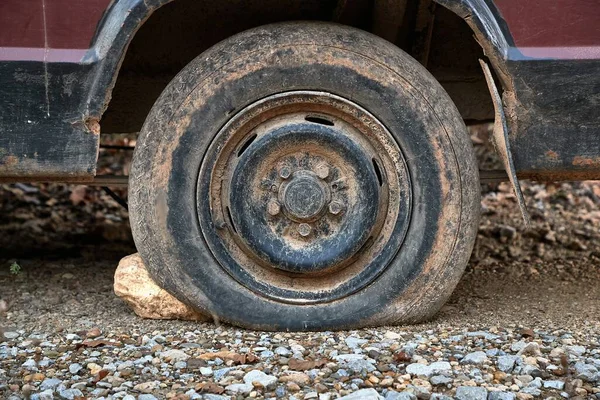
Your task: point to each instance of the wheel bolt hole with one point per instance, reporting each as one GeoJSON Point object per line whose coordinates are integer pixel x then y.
{"type": "Point", "coordinates": [378, 172]}
{"type": "Point", "coordinates": [246, 144]}
{"type": "Point", "coordinates": [318, 120]}
{"type": "Point", "coordinates": [230, 220]}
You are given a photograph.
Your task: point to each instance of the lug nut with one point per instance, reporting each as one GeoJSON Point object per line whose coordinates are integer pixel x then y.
{"type": "Point", "coordinates": [322, 171]}
{"type": "Point", "coordinates": [273, 207]}
{"type": "Point", "coordinates": [304, 230]}
{"type": "Point", "coordinates": [285, 172]}
{"type": "Point", "coordinates": [335, 208]}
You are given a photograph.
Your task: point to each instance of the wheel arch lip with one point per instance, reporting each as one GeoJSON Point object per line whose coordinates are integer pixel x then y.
{"type": "Point", "coordinates": [485, 20]}
{"type": "Point", "coordinates": [115, 31]}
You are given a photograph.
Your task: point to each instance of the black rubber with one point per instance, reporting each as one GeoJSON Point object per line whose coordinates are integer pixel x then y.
{"type": "Point", "coordinates": [306, 56]}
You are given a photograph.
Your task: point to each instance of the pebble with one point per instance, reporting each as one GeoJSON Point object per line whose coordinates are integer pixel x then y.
{"type": "Point", "coordinates": [507, 363]}
{"type": "Point", "coordinates": [11, 335]}
{"type": "Point", "coordinates": [363, 394]}
{"type": "Point", "coordinates": [475, 358]}
{"type": "Point", "coordinates": [49, 383]}
{"type": "Point", "coordinates": [557, 385]}
{"type": "Point", "coordinates": [431, 365]}
{"type": "Point", "coordinates": [239, 388]}
{"type": "Point", "coordinates": [264, 380]}
{"type": "Point", "coordinates": [147, 396]}
{"type": "Point", "coordinates": [75, 368]}
{"type": "Point", "coordinates": [471, 393]}
{"type": "Point", "coordinates": [418, 369]}
{"type": "Point", "coordinates": [501, 396]}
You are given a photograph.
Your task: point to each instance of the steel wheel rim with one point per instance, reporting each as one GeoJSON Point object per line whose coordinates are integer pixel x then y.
{"type": "Point", "coordinates": [267, 215]}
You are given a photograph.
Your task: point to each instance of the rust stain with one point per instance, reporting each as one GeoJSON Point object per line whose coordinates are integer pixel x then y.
{"type": "Point", "coordinates": [93, 125]}
{"type": "Point", "coordinates": [9, 160]}
{"type": "Point", "coordinates": [552, 155]}
{"type": "Point", "coordinates": [581, 161]}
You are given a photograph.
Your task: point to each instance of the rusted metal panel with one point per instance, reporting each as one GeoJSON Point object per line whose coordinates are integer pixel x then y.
{"type": "Point", "coordinates": [53, 89]}
{"type": "Point", "coordinates": [501, 141]}
{"type": "Point", "coordinates": [550, 103]}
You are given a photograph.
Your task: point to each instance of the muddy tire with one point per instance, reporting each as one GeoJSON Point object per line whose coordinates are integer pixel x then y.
{"type": "Point", "coordinates": [305, 176]}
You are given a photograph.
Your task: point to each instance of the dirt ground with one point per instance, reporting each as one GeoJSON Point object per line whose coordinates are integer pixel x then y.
{"type": "Point", "coordinates": [60, 245]}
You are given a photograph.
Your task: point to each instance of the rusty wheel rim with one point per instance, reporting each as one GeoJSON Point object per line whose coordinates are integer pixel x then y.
{"type": "Point", "coordinates": [304, 197]}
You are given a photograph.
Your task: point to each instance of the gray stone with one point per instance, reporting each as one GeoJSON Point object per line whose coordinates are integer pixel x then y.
{"type": "Point", "coordinates": [506, 363]}
{"type": "Point", "coordinates": [483, 334]}
{"type": "Point", "coordinates": [537, 383]}
{"type": "Point", "coordinates": [146, 396]}
{"type": "Point", "coordinates": [266, 354]}
{"type": "Point", "coordinates": [30, 364]}
{"type": "Point", "coordinates": [283, 351]}
{"type": "Point", "coordinates": [280, 392]}
{"type": "Point", "coordinates": [11, 335]}
{"type": "Point", "coordinates": [75, 368]}
{"type": "Point", "coordinates": [475, 358]}
{"type": "Point", "coordinates": [531, 370]}
{"type": "Point", "coordinates": [557, 385]}
{"type": "Point", "coordinates": [471, 393]}
{"type": "Point", "coordinates": [239, 388]}
{"type": "Point", "coordinates": [530, 349]}
{"type": "Point", "coordinates": [357, 363]}
{"type": "Point", "coordinates": [355, 342]}
{"type": "Point", "coordinates": [418, 369]}
{"type": "Point", "coordinates": [80, 385]}
{"type": "Point", "coordinates": [174, 355]}
{"type": "Point", "coordinates": [438, 380]}
{"type": "Point", "coordinates": [586, 372]}
{"type": "Point", "coordinates": [501, 396]}
{"type": "Point", "coordinates": [266, 381]}
{"type": "Point", "coordinates": [49, 383]}
{"type": "Point", "coordinates": [363, 394]}
{"type": "Point", "coordinates": [421, 392]}
{"type": "Point", "coordinates": [209, 396]}
{"type": "Point", "coordinates": [518, 346]}
{"type": "Point", "coordinates": [439, 396]}
{"type": "Point", "coordinates": [220, 373]}
{"type": "Point", "coordinates": [70, 394]}
{"type": "Point", "coordinates": [393, 395]}
{"type": "Point", "coordinates": [576, 350]}
{"type": "Point", "coordinates": [45, 395]}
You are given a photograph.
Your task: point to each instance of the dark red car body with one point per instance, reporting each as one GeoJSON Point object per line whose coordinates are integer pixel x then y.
{"type": "Point", "coordinates": [59, 61]}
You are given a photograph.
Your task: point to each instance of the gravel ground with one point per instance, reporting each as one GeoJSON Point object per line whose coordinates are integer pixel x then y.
{"type": "Point", "coordinates": [523, 322]}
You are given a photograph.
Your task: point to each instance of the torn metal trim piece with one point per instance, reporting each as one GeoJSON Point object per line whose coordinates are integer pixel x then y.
{"type": "Point", "coordinates": [501, 142]}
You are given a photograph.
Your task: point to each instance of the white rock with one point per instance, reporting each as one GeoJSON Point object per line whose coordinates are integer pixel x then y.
{"type": "Point", "coordinates": [576, 350]}
{"type": "Point", "coordinates": [363, 394]}
{"type": "Point", "coordinates": [475, 358]}
{"type": "Point", "coordinates": [134, 285]}
{"type": "Point", "coordinates": [11, 335]}
{"type": "Point", "coordinates": [392, 335]}
{"type": "Point", "coordinates": [239, 388]}
{"type": "Point", "coordinates": [266, 381]}
{"type": "Point", "coordinates": [557, 385]}
{"type": "Point", "coordinates": [174, 355]}
{"type": "Point", "coordinates": [75, 368]}
{"type": "Point", "coordinates": [355, 342]}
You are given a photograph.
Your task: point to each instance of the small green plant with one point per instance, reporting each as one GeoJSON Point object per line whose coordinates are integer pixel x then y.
{"type": "Point", "coordinates": [15, 268]}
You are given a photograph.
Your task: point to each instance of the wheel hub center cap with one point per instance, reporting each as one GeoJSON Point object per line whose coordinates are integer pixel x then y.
{"type": "Point", "coordinates": [304, 198]}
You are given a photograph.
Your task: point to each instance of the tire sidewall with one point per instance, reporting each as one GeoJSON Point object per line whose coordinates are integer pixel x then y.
{"type": "Point", "coordinates": [329, 58]}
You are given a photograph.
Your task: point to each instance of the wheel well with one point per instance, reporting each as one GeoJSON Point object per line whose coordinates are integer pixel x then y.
{"type": "Point", "coordinates": [181, 30]}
